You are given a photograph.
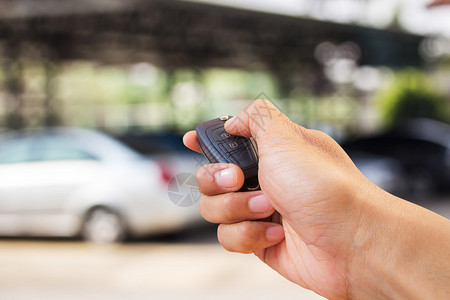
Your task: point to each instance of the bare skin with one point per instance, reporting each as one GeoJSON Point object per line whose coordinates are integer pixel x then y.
{"type": "Point", "coordinates": [340, 235]}
{"type": "Point", "coordinates": [439, 3]}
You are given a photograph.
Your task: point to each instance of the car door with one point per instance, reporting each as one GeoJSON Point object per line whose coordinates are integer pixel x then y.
{"type": "Point", "coordinates": [62, 167]}
{"type": "Point", "coordinates": [15, 157]}
{"type": "Point", "coordinates": [43, 185]}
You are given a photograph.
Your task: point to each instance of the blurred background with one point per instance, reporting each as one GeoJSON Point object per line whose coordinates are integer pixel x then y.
{"type": "Point", "coordinates": [97, 194]}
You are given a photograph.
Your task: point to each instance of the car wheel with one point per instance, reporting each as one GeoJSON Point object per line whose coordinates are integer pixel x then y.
{"type": "Point", "coordinates": [103, 226]}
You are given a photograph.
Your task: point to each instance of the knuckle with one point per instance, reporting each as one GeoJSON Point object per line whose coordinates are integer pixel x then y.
{"type": "Point", "coordinates": [238, 242]}
{"type": "Point", "coordinates": [205, 176]}
{"type": "Point", "coordinates": [324, 142]}
{"type": "Point", "coordinates": [259, 102]}
{"type": "Point", "coordinates": [200, 186]}
{"type": "Point", "coordinates": [311, 136]}
{"type": "Point", "coordinates": [246, 237]}
{"type": "Point", "coordinates": [203, 172]}
{"type": "Point", "coordinates": [204, 209]}
{"type": "Point", "coordinates": [293, 127]}
{"type": "Point", "coordinates": [246, 234]}
{"type": "Point", "coordinates": [225, 208]}
{"type": "Point", "coordinates": [200, 177]}
{"type": "Point", "coordinates": [229, 207]}
{"type": "Point", "coordinates": [245, 229]}
{"type": "Point", "coordinates": [320, 135]}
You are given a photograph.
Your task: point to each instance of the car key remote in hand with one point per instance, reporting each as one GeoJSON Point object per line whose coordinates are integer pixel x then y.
{"type": "Point", "coordinates": [221, 147]}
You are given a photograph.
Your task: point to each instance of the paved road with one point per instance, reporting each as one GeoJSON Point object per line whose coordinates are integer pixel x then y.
{"type": "Point", "coordinates": [192, 266]}
{"type": "Point", "coordinates": [74, 270]}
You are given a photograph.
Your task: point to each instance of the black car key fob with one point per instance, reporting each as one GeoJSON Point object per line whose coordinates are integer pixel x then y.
{"type": "Point", "coordinates": [221, 147]}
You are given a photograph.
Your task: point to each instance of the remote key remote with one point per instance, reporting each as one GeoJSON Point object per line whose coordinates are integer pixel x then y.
{"type": "Point", "coordinates": [221, 147]}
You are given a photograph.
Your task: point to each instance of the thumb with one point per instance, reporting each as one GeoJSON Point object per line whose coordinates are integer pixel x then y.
{"type": "Point", "coordinates": [258, 120]}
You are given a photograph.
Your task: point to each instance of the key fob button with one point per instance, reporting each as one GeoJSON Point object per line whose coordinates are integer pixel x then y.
{"type": "Point", "coordinates": [243, 158]}
{"type": "Point", "coordinates": [234, 144]}
{"type": "Point", "coordinates": [221, 134]}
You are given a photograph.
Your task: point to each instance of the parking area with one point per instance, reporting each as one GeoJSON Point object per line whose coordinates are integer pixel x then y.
{"type": "Point", "coordinates": [191, 265]}
{"type": "Point", "coordinates": [75, 270]}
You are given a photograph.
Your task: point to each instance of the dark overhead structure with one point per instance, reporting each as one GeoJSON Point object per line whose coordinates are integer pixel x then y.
{"type": "Point", "coordinates": [176, 34]}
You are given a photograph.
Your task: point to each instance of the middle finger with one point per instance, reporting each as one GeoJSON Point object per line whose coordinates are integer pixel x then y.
{"type": "Point", "coordinates": [235, 207]}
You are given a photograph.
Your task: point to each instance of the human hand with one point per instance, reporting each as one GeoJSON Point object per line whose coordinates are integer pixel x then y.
{"type": "Point", "coordinates": [328, 208]}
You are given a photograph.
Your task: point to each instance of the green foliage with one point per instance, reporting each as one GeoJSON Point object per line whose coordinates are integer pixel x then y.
{"type": "Point", "coordinates": [411, 95]}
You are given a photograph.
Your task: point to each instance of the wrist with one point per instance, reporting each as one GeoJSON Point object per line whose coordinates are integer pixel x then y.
{"type": "Point", "coordinates": [395, 249]}
{"type": "Point", "coordinates": [376, 247]}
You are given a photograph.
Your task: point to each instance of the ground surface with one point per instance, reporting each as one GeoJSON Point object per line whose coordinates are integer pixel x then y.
{"type": "Point", "coordinates": [189, 266]}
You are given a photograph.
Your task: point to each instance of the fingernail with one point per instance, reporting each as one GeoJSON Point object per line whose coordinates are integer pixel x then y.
{"type": "Point", "coordinates": [226, 178]}
{"type": "Point", "coordinates": [275, 233]}
{"type": "Point", "coordinates": [259, 204]}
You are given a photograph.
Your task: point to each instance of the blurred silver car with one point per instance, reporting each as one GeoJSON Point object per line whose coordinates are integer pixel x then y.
{"type": "Point", "coordinates": [67, 181]}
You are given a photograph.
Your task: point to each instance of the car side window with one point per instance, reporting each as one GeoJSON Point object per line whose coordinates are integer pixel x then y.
{"type": "Point", "coordinates": [15, 151]}
{"type": "Point", "coordinates": [54, 149]}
